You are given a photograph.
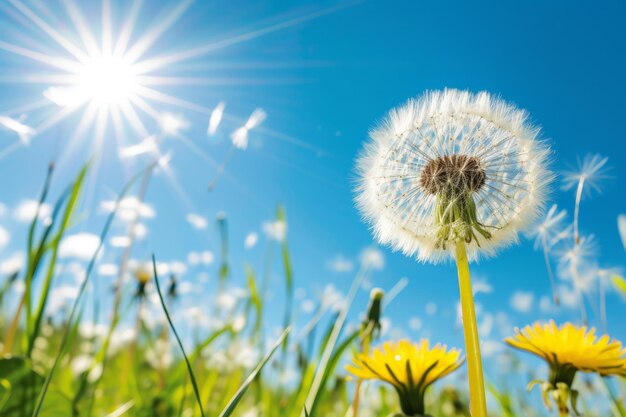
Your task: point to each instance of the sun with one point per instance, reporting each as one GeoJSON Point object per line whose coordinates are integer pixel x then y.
{"type": "Point", "coordinates": [105, 81]}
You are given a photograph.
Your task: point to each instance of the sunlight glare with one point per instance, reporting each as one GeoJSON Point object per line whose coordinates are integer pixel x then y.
{"type": "Point", "coordinates": [106, 81]}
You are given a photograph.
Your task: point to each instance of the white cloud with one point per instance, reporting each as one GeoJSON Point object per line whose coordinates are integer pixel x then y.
{"type": "Point", "coordinates": [431, 309]}
{"type": "Point", "coordinates": [307, 306]}
{"type": "Point", "coordinates": [120, 241]}
{"type": "Point", "coordinates": [251, 240]}
{"type": "Point", "coordinates": [415, 324]}
{"type": "Point", "coordinates": [486, 325]}
{"type": "Point", "coordinates": [340, 264]}
{"type": "Point", "coordinates": [130, 208]}
{"type": "Point", "coordinates": [197, 221]}
{"type": "Point", "coordinates": [373, 258]}
{"type": "Point", "coordinates": [491, 347]}
{"type": "Point", "coordinates": [108, 270]}
{"type": "Point", "coordinates": [481, 286]}
{"type": "Point", "coordinates": [331, 298]}
{"type": "Point", "coordinates": [61, 297]}
{"type": "Point", "coordinates": [26, 211]}
{"type": "Point", "coordinates": [80, 246]}
{"type": "Point", "coordinates": [12, 264]}
{"type": "Point", "coordinates": [195, 258]}
{"type": "Point", "coordinates": [5, 237]}
{"type": "Point", "coordinates": [522, 301]}
{"type": "Point", "coordinates": [140, 231]}
{"type": "Point", "coordinates": [276, 230]}
{"type": "Point", "coordinates": [545, 304]}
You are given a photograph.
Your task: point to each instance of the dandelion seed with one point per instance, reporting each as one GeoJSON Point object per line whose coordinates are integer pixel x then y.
{"type": "Point", "coordinates": [239, 139]}
{"type": "Point", "coordinates": [216, 118]}
{"type": "Point", "coordinates": [591, 172]}
{"type": "Point", "coordinates": [452, 175]}
{"type": "Point", "coordinates": [240, 136]}
{"type": "Point", "coordinates": [173, 124]}
{"type": "Point", "coordinates": [24, 132]}
{"type": "Point", "coordinates": [569, 349]}
{"type": "Point", "coordinates": [148, 145]}
{"type": "Point", "coordinates": [410, 368]}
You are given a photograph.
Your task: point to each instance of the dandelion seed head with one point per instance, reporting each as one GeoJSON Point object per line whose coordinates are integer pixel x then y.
{"type": "Point", "coordinates": [449, 166]}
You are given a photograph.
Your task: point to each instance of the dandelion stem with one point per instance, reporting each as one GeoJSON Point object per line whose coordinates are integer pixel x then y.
{"type": "Point", "coordinates": [478, 404]}
{"type": "Point", "coordinates": [579, 193]}
{"type": "Point", "coordinates": [365, 349]}
{"type": "Point", "coordinates": [546, 257]}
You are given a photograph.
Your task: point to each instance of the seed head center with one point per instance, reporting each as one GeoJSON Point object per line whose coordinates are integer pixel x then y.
{"type": "Point", "coordinates": [453, 175]}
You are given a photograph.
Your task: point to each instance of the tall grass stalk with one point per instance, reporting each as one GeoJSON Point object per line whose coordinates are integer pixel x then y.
{"type": "Point", "coordinates": [234, 401]}
{"type": "Point", "coordinates": [180, 343]}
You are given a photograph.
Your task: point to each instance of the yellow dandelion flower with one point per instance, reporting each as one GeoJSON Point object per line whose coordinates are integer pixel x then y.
{"type": "Point", "coordinates": [143, 275]}
{"type": "Point", "coordinates": [410, 367]}
{"type": "Point", "coordinates": [570, 346]}
{"type": "Point", "coordinates": [569, 349]}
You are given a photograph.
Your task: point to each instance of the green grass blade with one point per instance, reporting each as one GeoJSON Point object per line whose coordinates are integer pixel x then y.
{"type": "Point", "coordinates": [328, 370]}
{"type": "Point", "coordinates": [67, 216]}
{"type": "Point", "coordinates": [180, 343]}
{"type": "Point", "coordinates": [90, 267]}
{"type": "Point", "coordinates": [232, 404]}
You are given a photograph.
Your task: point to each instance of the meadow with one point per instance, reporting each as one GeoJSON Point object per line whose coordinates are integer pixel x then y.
{"type": "Point", "coordinates": [79, 361]}
{"type": "Point", "coordinates": [311, 209]}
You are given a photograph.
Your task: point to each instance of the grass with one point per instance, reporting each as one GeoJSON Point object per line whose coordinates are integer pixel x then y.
{"type": "Point", "coordinates": [143, 372]}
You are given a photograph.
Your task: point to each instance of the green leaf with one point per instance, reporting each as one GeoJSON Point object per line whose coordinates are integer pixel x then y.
{"type": "Point", "coordinates": [21, 387]}
{"type": "Point", "coordinates": [232, 404]}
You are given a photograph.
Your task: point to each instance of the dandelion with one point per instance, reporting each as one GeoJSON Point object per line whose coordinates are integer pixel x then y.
{"type": "Point", "coordinates": [546, 234]}
{"type": "Point", "coordinates": [410, 367]}
{"type": "Point", "coordinates": [449, 176]}
{"type": "Point", "coordinates": [569, 349]}
{"type": "Point", "coordinates": [143, 277]}
{"type": "Point", "coordinates": [591, 171]}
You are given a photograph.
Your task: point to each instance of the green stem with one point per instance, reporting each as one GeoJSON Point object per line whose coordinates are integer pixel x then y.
{"type": "Point", "coordinates": [478, 404]}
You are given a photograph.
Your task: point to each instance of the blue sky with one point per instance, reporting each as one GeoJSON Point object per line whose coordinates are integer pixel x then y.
{"type": "Point", "coordinates": [324, 79]}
